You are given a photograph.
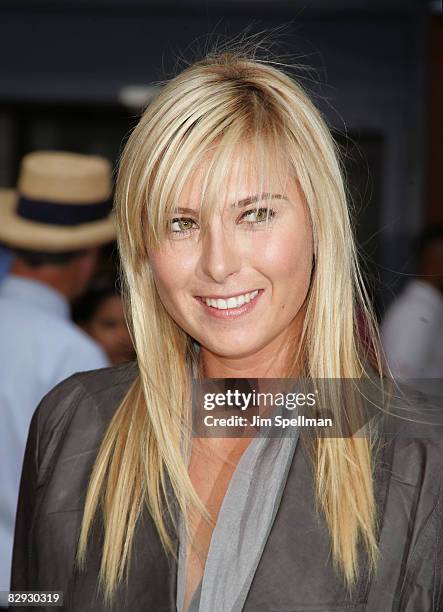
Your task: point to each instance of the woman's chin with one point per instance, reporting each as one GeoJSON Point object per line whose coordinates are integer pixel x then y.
{"type": "Point", "coordinates": [231, 348]}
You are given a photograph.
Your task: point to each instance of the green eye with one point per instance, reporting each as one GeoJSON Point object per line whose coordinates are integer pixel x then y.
{"type": "Point", "coordinates": [258, 215]}
{"type": "Point", "coordinates": [181, 224]}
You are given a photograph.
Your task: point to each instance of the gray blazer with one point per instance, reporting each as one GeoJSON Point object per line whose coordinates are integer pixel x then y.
{"type": "Point", "coordinates": [294, 571]}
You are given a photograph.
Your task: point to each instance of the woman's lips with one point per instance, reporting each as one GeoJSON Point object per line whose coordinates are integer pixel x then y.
{"type": "Point", "coordinates": [229, 313]}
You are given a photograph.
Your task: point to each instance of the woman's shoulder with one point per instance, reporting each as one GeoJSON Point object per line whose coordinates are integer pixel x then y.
{"type": "Point", "coordinates": [93, 385]}
{"type": "Point", "coordinates": [85, 401]}
{"type": "Point", "coordinates": [412, 422]}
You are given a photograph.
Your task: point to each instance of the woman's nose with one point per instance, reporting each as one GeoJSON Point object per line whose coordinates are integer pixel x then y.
{"type": "Point", "coordinates": [220, 256]}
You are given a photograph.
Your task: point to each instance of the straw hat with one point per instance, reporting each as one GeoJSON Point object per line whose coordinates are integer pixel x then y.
{"type": "Point", "coordinates": [62, 203]}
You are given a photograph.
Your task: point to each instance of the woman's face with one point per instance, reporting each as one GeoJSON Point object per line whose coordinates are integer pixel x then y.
{"type": "Point", "coordinates": [238, 287]}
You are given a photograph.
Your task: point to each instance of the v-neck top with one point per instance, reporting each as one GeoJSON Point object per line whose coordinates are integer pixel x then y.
{"type": "Point", "coordinates": [295, 569]}
{"type": "Point", "coordinates": [243, 525]}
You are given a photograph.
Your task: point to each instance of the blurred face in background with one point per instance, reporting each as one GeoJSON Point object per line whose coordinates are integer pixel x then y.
{"type": "Point", "coordinates": [238, 287]}
{"type": "Point", "coordinates": [108, 327]}
{"type": "Point", "coordinates": [81, 270]}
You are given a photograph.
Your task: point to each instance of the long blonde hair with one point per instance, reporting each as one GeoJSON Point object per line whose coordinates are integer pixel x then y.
{"type": "Point", "coordinates": [216, 104]}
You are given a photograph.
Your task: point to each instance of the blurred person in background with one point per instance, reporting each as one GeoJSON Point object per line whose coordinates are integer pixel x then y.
{"type": "Point", "coordinates": [100, 313]}
{"type": "Point", "coordinates": [412, 330]}
{"type": "Point", "coordinates": [54, 225]}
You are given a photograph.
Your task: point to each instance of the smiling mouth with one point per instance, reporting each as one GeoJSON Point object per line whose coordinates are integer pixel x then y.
{"type": "Point", "coordinates": [227, 303]}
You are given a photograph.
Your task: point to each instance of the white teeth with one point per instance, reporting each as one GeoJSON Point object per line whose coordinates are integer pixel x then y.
{"type": "Point", "coordinates": [232, 302]}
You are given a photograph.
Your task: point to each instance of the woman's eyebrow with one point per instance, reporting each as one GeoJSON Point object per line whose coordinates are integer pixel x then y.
{"type": "Point", "coordinates": [240, 204]}
{"type": "Point", "coordinates": [181, 209]}
{"type": "Point", "coordinates": [257, 198]}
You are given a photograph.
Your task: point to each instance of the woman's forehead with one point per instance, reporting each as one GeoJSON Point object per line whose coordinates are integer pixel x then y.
{"type": "Point", "coordinates": [241, 177]}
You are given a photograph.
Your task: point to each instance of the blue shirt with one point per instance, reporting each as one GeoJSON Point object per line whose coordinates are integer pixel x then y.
{"type": "Point", "coordinates": [39, 347]}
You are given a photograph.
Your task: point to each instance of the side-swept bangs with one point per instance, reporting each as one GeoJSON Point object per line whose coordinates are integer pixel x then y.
{"type": "Point", "coordinates": [240, 150]}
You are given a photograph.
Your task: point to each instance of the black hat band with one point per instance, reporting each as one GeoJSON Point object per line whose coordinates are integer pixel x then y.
{"type": "Point", "coordinates": [51, 213]}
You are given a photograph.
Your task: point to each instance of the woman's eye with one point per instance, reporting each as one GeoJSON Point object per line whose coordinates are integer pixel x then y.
{"type": "Point", "coordinates": [181, 225]}
{"type": "Point", "coordinates": [258, 215]}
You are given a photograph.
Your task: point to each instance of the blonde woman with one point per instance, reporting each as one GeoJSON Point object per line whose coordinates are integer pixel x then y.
{"type": "Point", "coordinates": [239, 262]}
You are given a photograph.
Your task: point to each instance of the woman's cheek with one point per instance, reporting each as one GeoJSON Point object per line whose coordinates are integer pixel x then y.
{"type": "Point", "coordinates": [284, 256]}
{"type": "Point", "coordinates": [171, 270]}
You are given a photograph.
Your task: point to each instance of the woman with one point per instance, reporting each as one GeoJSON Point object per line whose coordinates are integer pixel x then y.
{"type": "Point", "coordinates": [239, 262]}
